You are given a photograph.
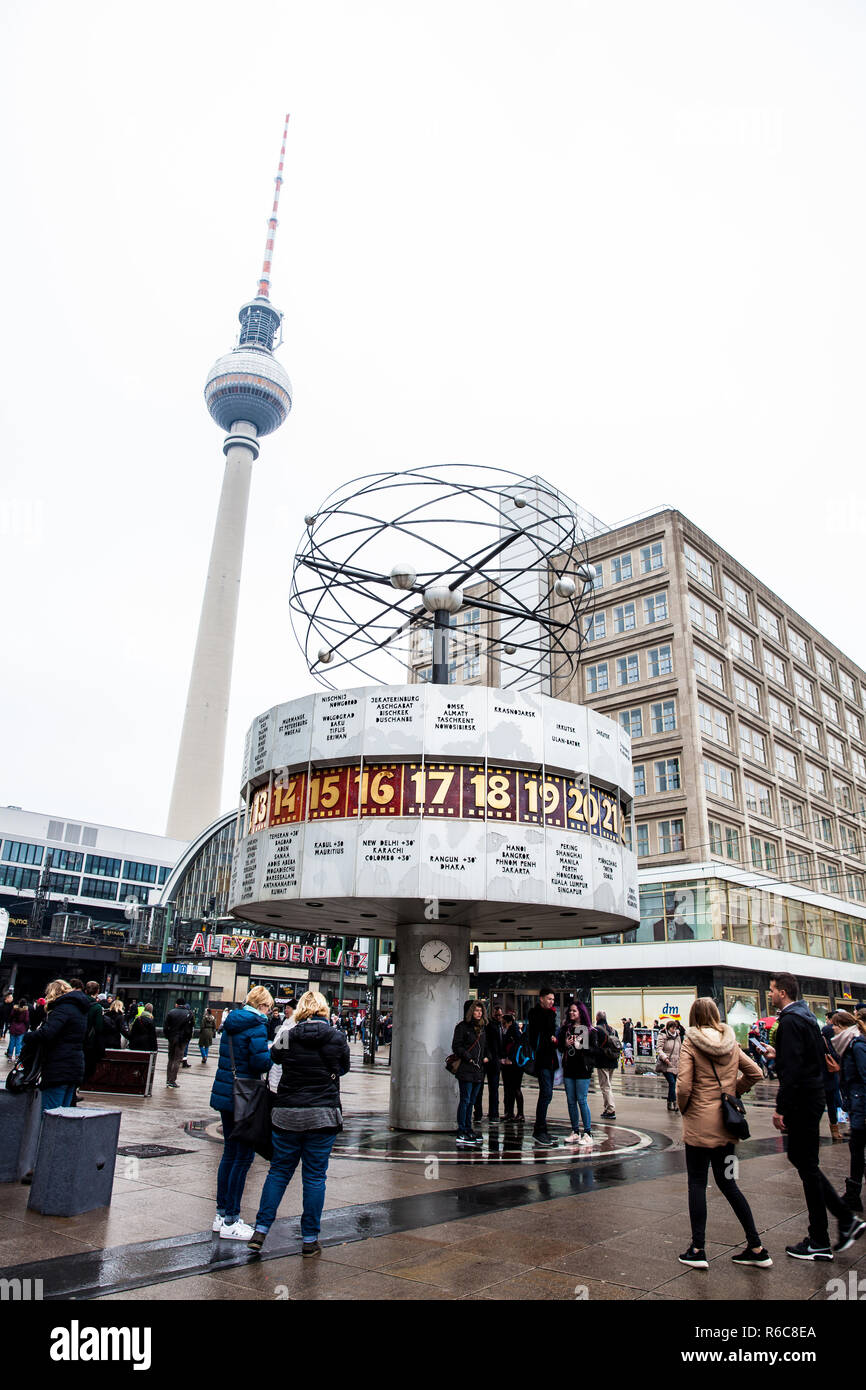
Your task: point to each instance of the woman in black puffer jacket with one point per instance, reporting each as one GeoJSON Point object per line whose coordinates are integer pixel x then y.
{"type": "Point", "coordinates": [469, 1043]}
{"type": "Point", "coordinates": [62, 1039]}
{"type": "Point", "coordinates": [306, 1116]}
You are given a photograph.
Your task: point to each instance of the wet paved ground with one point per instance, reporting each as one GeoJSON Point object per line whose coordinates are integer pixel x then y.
{"type": "Point", "coordinates": [412, 1218]}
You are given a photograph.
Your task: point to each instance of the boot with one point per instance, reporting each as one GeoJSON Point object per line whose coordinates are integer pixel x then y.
{"type": "Point", "coordinates": [851, 1195]}
{"type": "Point", "coordinates": [835, 1134]}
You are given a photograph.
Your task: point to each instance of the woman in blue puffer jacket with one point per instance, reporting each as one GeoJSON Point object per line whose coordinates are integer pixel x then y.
{"type": "Point", "coordinates": [849, 1044]}
{"type": "Point", "coordinates": [244, 1032]}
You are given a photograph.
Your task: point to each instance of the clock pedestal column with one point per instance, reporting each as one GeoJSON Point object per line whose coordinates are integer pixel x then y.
{"type": "Point", "coordinates": [427, 1008]}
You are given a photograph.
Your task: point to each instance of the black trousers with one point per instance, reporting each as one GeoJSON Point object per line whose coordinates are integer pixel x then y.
{"type": "Point", "coordinates": [698, 1161]}
{"type": "Point", "coordinates": [803, 1125]}
{"type": "Point", "coordinates": [492, 1071]}
{"type": "Point", "coordinates": [512, 1095]}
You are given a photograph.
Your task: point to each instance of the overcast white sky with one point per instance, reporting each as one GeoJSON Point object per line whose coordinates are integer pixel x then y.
{"type": "Point", "coordinates": [618, 243]}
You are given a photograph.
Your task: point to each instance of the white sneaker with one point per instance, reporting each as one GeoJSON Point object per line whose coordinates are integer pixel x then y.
{"type": "Point", "coordinates": [217, 1223]}
{"type": "Point", "coordinates": [573, 1139]}
{"type": "Point", "coordinates": [585, 1142]}
{"type": "Point", "coordinates": [238, 1231]}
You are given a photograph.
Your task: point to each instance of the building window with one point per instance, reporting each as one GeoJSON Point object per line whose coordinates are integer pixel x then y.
{"type": "Point", "coordinates": [858, 762]}
{"type": "Point", "coordinates": [597, 577]}
{"type": "Point", "coordinates": [163, 875]}
{"type": "Point", "coordinates": [847, 685]}
{"type": "Point", "coordinates": [20, 852]}
{"type": "Point", "coordinates": [67, 884]}
{"type": "Point", "coordinates": [830, 708]}
{"type": "Point", "coordinates": [715, 837]}
{"type": "Point", "coordinates": [68, 859]}
{"type": "Point", "coordinates": [595, 627]}
{"type": "Point", "coordinates": [855, 887]}
{"type": "Point", "coordinates": [667, 772]}
{"type": "Point", "coordinates": [664, 716]}
{"type": "Point", "coordinates": [752, 744]}
{"type": "Point", "coordinates": [18, 878]}
{"type": "Point", "coordinates": [671, 837]}
{"type": "Point", "coordinates": [804, 689]}
{"type": "Point", "coordinates": [655, 608]}
{"type": "Point", "coordinates": [642, 841]}
{"type": "Point", "coordinates": [799, 866]}
{"type": "Point", "coordinates": [140, 873]}
{"type": "Point", "coordinates": [714, 722]}
{"type": "Point", "coordinates": [758, 799]}
{"type": "Point", "coordinates": [746, 693]}
{"type": "Point", "coordinates": [809, 733]}
{"type": "Point", "coordinates": [624, 619]}
{"type": "Point", "coordinates": [798, 646]}
{"type": "Point", "coordinates": [627, 669]}
{"type": "Point", "coordinates": [652, 558]}
{"type": "Point", "coordinates": [824, 666]}
{"type": "Point", "coordinates": [472, 668]}
{"type": "Point", "coordinates": [741, 643]}
{"type": "Point", "coordinates": [815, 779]}
{"type": "Point", "coordinates": [786, 763]}
{"type": "Point", "coordinates": [660, 661]}
{"type": "Point", "coordinates": [632, 721]}
{"type": "Point", "coordinates": [424, 674]}
{"type": "Point", "coordinates": [774, 668]}
{"type": "Point", "coordinates": [829, 876]}
{"type": "Point", "coordinates": [836, 750]}
{"type": "Point", "coordinates": [769, 623]}
{"type": "Point", "coordinates": [98, 888]}
{"type": "Point", "coordinates": [732, 843]}
{"type": "Point", "coordinates": [793, 814]}
{"type": "Point", "coordinates": [620, 569]}
{"type": "Point", "coordinates": [842, 795]}
{"type": "Point", "coordinates": [698, 566]}
{"type": "Point", "coordinates": [781, 714]}
{"type": "Point", "coordinates": [106, 868]}
{"type": "Point", "coordinates": [847, 838]}
{"type": "Point", "coordinates": [854, 725]}
{"type": "Point", "coordinates": [764, 853]}
{"type": "Point", "coordinates": [704, 616]}
{"type": "Point", "coordinates": [736, 596]}
{"type": "Point", "coordinates": [639, 780]}
{"type": "Point", "coordinates": [596, 678]}
{"type": "Point", "coordinates": [708, 668]}
{"type": "Point", "coordinates": [718, 780]}
{"type": "Point", "coordinates": [825, 829]}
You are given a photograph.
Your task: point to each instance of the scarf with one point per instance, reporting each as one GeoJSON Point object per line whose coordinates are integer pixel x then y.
{"type": "Point", "coordinates": [841, 1040]}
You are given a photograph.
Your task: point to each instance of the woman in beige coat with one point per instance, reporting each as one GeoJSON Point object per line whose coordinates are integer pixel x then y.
{"type": "Point", "coordinates": [668, 1059]}
{"type": "Point", "coordinates": [710, 1061]}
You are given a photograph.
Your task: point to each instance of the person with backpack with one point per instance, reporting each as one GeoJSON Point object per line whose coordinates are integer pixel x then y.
{"type": "Point", "coordinates": [607, 1054]}
{"type": "Point", "coordinates": [799, 1050]}
{"type": "Point", "coordinates": [541, 1028]}
{"type": "Point", "coordinates": [469, 1044]}
{"type": "Point", "coordinates": [849, 1044]}
{"type": "Point", "coordinates": [709, 1063]}
{"type": "Point", "coordinates": [306, 1116]}
{"type": "Point", "coordinates": [512, 1069]}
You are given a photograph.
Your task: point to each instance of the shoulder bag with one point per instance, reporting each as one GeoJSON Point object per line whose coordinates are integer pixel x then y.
{"type": "Point", "coordinates": [831, 1062]}
{"type": "Point", "coordinates": [733, 1111]}
{"type": "Point", "coordinates": [452, 1063]}
{"type": "Point", "coordinates": [251, 1110]}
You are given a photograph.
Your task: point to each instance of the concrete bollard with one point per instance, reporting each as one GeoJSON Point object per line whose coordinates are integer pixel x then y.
{"type": "Point", "coordinates": [74, 1169]}
{"type": "Point", "coordinates": [19, 1133]}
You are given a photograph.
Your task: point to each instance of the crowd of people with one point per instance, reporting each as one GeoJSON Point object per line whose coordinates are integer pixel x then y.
{"type": "Point", "coordinates": [301, 1051]}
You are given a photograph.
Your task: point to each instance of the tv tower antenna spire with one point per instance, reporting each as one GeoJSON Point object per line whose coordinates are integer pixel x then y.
{"type": "Point", "coordinates": [248, 394]}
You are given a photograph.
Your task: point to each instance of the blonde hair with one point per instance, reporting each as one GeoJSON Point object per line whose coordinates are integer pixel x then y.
{"type": "Point", "coordinates": [56, 989]}
{"type": "Point", "coordinates": [259, 998]}
{"type": "Point", "coordinates": [704, 1013]}
{"type": "Point", "coordinates": [117, 1007]}
{"type": "Point", "coordinates": [311, 1005]}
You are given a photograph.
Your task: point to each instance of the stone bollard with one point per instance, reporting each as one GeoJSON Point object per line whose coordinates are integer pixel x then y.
{"type": "Point", "coordinates": [74, 1169]}
{"type": "Point", "coordinates": [19, 1133]}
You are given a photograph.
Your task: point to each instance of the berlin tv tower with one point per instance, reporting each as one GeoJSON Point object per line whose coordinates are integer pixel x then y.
{"type": "Point", "coordinates": [249, 395]}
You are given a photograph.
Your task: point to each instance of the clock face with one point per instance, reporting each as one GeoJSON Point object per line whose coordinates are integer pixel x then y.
{"type": "Point", "coordinates": [435, 956]}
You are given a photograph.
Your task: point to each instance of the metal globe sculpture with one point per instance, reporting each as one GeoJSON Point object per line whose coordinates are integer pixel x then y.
{"type": "Point", "coordinates": [392, 557]}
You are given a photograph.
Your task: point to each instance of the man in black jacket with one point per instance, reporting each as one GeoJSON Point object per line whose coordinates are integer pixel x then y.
{"type": "Point", "coordinates": [177, 1030]}
{"type": "Point", "coordinates": [142, 1031]}
{"type": "Point", "coordinates": [799, 1106]}
{"type": "Point", "coordinates": [541, 1032]}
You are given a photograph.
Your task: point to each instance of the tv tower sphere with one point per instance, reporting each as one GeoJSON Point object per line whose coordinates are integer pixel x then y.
{"type": "Point", "coordinates": [249, 383]}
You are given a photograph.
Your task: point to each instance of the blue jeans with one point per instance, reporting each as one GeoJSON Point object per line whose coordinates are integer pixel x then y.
{"type": "Point", "coordinates": [671, 1079]}
{"type": "Point", "coordinates": [469, 1093]}
{"type": "Point", "coordinates": [204, 1051]}
{"type": "Point", "coordinates": [576, 1091]}
{"type": "Point", "coordinates": [232, 1173]}
{"type": "Point", "coordinates": [312, 1148]}
{"type": "Point", "coordinates": [56, 1096]}
{"type": "Point", "coordinates": [545, 1096]}
{"type": "Point", "coordinates": [15, 1041]}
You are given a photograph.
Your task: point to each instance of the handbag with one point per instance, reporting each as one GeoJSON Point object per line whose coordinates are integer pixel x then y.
{"type": "Point", "coordinates": [733, 1112]}
{"type": "Point", "coordinates": [27, 1072]}
{"type": "Point", "coordinates": [251, 1110]}
{"type": "Point", "coordinates": [832, 1064]}
{"type": "Point", "coordinates": [452, 1063]}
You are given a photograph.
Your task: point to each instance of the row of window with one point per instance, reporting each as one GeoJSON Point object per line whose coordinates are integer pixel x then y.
{"type": "Point", "coordinates": [626, 670]}
{"type": "Point", "coordinates": [665, 772]}
{"type": "Point", "coordinates": [660, 717]}
{"type": "Point", "coordinates": [624, 617]}
{"type": "Point", "coordinates": [720, 781]}
{"type": "Point", "coordinates": [20, 852]}
{"type": "Point", "coordinates": [668, 837]}
{"type": "Point", "coordinates": [797, 865]}
{"type": "Point", "coordinates": [622, 568]}
{"type": "Point", "coordinates": [702, 569]}
{"type": "Point", "coordinates": [747, 693]}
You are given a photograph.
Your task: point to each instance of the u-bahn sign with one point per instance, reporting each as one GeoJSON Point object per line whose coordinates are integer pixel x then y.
{"type": "Point", "coordinates": [502, 811]}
